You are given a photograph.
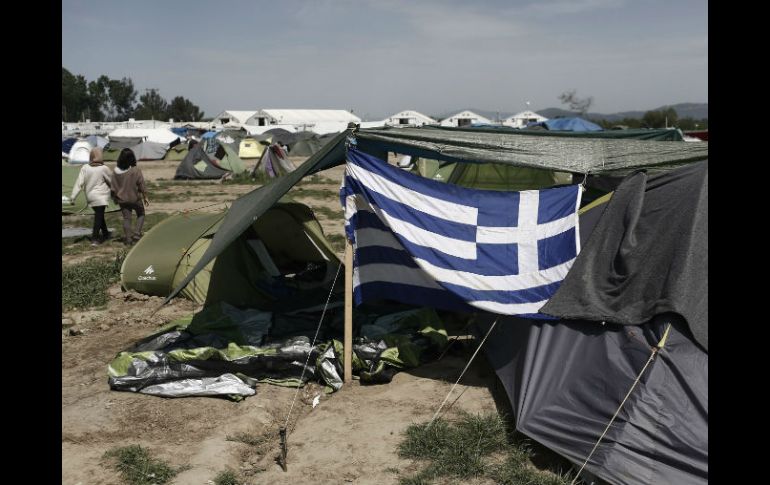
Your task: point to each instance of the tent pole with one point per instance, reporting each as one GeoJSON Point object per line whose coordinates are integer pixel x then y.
{"type": "Point", "coordinates": [348, 343]}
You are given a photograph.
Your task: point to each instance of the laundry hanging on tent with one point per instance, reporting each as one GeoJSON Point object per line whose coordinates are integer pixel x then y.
{"type": "Point", "coordinates": [420, 241]}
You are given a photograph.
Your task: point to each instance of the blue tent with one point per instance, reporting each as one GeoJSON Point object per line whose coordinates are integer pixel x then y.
{"type": "Point", "coordinates": [66, 144]}
{"type": "Point", "coordinates": [568, 124]}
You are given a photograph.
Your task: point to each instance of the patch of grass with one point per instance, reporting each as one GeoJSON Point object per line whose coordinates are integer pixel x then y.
{"type": "Point", "coordinates": [298, 191]}
{"type": "Point", "coordinates": [138, 467]}
{"type": "Point", "coordinates": [84, 284]}
{"type": "Point", "coordinates": [329, 213]}
{"type": "Point", "coordinates": [251, 440]}
{"type": "Point", "coordinates": [470, 447]}
{"type": "Point", "coordinates": [82, 244]}
{"type": "Point", "coordinates": [227, 477]}
{"type": "Point", "coordinates": [171, 196]}
{"type": "Point", "coordinates": [246, 178]}
{"type": "Point", "coordinates": [159, 183]}
{"type": "Point", "coordinates": [337, 241]}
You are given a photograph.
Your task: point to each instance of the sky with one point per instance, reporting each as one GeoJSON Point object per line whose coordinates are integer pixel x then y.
{"type": "Point", "coordinates": [378, 57]}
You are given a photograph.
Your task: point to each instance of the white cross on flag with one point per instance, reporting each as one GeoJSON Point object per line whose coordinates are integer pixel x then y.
{"type": "Point", "coordinates": [424, 242]}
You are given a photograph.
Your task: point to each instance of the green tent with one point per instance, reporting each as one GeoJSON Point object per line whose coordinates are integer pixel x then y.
{"type": "Point", "coordinates": [176, 153]}
{"type": "Point", "coordinates": [490, 176]}
{"type": "Point", "coordinates": [69, 174]}
{"type": "Point", "coordinates": [285, 251]}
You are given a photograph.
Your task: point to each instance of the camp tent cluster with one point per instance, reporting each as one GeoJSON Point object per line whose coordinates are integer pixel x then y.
{"type": "Point", "coordinates": [613, 316]}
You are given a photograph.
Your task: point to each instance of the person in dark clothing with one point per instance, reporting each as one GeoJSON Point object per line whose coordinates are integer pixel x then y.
{"type": "Point", "coordinates": [130, 194]}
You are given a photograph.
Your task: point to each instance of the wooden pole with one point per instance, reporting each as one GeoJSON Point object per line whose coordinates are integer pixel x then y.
{"type": "Point", "coordinates": [348, 341]}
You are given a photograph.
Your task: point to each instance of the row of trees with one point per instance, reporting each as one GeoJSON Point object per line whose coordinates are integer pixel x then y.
{"type": "Point", "coordinates": [663, 118]}
{"type": "Point", "coordinates": [108, 99]}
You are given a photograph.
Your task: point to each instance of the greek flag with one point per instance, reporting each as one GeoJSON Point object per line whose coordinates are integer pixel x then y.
{"type": "Point", "coordinates": [429, 243]}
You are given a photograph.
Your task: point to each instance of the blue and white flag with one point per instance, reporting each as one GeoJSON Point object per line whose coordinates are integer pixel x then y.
{"type": "Point", "coordinates": [429, 243]}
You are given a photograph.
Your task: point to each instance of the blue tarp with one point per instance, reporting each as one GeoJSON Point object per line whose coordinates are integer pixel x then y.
{"type": "Point", "coordinates": [208, 134]}
{"type": "Point", "coordinates": [179, 131]}
{"type": "Point", "coordinates": [66, 144]}
{"type": "Point", "coordinates": [568, 124]}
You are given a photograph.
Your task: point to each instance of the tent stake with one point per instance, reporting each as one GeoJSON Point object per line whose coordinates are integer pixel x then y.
{"type": "Point", "coordinates": [348, 340]}
{"type": "Point", "coordinates": [282, 457]}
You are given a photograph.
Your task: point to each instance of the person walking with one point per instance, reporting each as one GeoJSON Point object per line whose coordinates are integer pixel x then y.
{"type": "Point", "coordinates": [130, 194]}
{"type": "Point", "coordinates": [95, 180]}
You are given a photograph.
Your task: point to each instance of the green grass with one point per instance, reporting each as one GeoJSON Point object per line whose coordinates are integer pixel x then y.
{"type": "Point", "coordinates": [337, 241]}
{"type": "Point", "coordinates": [171, 196]}
{"type": "Point", "coordinates": [329, 213]}
{"type": "Point", "coordinates": [471, 446]}
{"type": "Point", "coordinates": [227, 477]}
{"type": "Point", "coordinates": [299, 191]}
{"type": "Point", "coordinates": [84, 284]}
{"type": "Point", "coordinates": [138, 467]}
{"type": "Point", "coordinates": [160, 183]}
{"type": "Point", "coordinates": [82, 244]}
{"type": "Point", "coordinates": [317, 180]}
{"type": "Point", "coordinates": [246, 178]}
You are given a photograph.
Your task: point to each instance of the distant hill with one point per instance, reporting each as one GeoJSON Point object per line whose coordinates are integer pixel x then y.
{"type": "Point", "coordinates": [696, 111]}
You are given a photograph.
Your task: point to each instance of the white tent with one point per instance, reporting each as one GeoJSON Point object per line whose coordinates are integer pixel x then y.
{"type": "Point", "coordinates": [409, 118]}
{"type": "Point", "coordinates": [80, 152]}
{"type": "Point", "coordinates": [157, 135]}
{"type": "Point", "coordinates": [464, 118]}
{"type": "Point", "coordinates": [299, 117]}
{"type": "Point", "coordinates": [520, 120]}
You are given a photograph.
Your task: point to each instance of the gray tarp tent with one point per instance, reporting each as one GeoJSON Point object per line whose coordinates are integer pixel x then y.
{"type": "Point", "coordinates": [121, 142]}
{"type": "Point", "coordinates": [150, 150]}
{"type": "Point", "coordinates": [565, 379]}
{"type": "Point", "coordinates": [531, 357]}
{"type": "Point", "coordinates": [197, 165]}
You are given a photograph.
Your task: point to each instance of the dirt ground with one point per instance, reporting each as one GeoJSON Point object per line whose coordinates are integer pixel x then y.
{"type": "Point", "coordinates": [350, 437]}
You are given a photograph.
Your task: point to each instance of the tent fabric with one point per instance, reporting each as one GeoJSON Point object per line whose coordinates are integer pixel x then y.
{"type": "Point", "coordinates": [80, 152]}
{"type": "Point", "coordinates": [97, 141]}
{"type": "Point", "coordinates": [121, 142]}
{"type": "Point", "coordinates": [648, 255]}
{"type": "Point", "coordinates": [157, 135]}
{"type": "Point", "coordinates": [223, 340]}
{"type": "Point", "coordinates": [289, 235]}
{"type": "Point", "coordinates": [250, 148]}
{"type": "Point", "coordinates": [273, 163]}
{"type": "Point", "coordinates": [308, 145]}
{"type": "Point", "coordinates": [176, 153]}
{"type": "Point", "coordinates": [229, 159]}
{"type": "Point", "coordinates": [559, 153]}
{"type": "Point", "coordinates": [149, 150]}
{"type": "Point", "coordinates": [570, 124]}
{"type": "Point", "coordinates": [66, 145]}
{"type": "Point", "coordinates": [198, 165]}
{"type": "Point", "coordinates": [566, 154]}
{"type": "Point", "coordinates": [660, 437]}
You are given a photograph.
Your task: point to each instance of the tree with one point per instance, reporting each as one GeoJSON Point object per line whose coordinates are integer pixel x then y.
{"type": "Point", "coordinates": [122, 96]}
{"type": "Point", "coordinates": [576, 104]}
{"type": "Point", "coordinates": [74, 96]}
{"type": "Point", "coordinates": [151, 106]}
{"type": "Point", "coordinates": [98, 99]}
{"type": "Point", "coordinates": [182, 109]}
{"type": "Point", "coordinates": [660, 118]}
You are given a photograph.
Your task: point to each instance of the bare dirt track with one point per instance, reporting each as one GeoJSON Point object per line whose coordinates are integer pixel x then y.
{"type": "Point", "coordinates": [350, 437]}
